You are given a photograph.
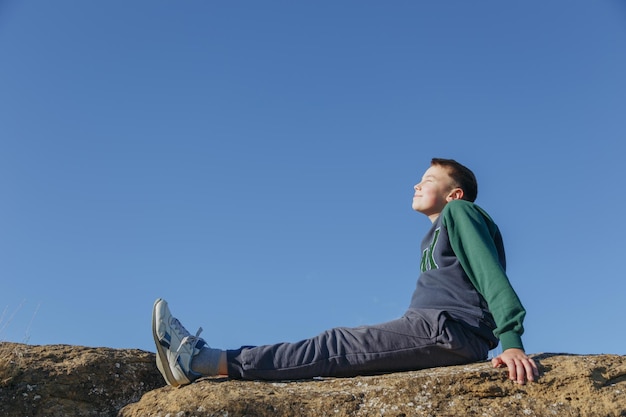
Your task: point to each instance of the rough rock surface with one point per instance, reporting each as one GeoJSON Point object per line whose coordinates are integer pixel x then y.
{"type": "Point", "coordinates": [60, 380]}
{"type": "Point", "coordinates": [569, 386]}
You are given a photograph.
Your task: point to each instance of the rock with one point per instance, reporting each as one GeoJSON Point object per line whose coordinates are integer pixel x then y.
{"type": "Point", "coordinates": [62, 380]}
{"type": "Point", "coordinates": [570, 385]}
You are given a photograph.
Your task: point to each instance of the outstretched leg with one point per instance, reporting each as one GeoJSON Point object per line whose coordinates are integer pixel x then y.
{"type": "Point", "coordinates": [419, 339]}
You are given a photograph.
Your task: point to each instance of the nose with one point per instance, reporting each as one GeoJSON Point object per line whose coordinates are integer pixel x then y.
{"type": "Point", "coordinates": [417, 186]}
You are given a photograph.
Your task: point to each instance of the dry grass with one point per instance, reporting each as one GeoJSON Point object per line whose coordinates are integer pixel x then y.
{"type": "Point", "coordinates": [12, 354]}
{"type": "Point", "coordinates": [8, 316]}
{"type": "Point", "coordinates": [11, 362]}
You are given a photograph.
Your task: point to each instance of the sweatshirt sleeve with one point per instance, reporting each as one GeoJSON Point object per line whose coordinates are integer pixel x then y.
{"type": "Point", "coordinates": [472, 236]}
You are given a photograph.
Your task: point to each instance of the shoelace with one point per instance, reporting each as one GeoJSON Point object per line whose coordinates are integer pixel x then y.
{"type": "Point", "coordinates": [192, 340]}
{"type": "Point", "coordinates": [179, 328]}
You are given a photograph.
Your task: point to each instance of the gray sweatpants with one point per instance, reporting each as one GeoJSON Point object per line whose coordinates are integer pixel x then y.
{"type": "Point", "coordinates": [419, 339]}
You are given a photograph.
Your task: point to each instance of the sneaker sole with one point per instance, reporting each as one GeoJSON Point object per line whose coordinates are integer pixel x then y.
{"type": "Point", "coordinates": [161, 355]}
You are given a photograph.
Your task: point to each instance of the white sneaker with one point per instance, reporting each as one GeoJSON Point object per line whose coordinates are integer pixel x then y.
{"type": "Point", "coordinates": [175, 346]}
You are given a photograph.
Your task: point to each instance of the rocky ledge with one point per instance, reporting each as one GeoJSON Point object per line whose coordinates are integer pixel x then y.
{"type": "Point", "coordinates": [60, 380]}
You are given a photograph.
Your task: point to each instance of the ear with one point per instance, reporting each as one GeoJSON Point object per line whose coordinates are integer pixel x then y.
{"type": "Point", "coordinates": [455, 194]}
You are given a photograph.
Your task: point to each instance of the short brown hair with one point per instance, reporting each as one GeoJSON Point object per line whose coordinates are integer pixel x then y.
{"type": "Point", "coordinates": [461, 175]}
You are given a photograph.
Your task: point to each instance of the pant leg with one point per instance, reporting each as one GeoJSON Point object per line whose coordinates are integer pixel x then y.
{"type": "Point", "coordinates": [419, 339]}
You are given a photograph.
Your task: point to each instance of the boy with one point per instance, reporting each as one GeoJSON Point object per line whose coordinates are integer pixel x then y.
{"type": "Point", "coordinates": [462, 305]}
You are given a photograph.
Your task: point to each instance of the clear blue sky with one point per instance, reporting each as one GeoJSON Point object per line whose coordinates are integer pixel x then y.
{"type": "Point", "coordinates": [253, 162]}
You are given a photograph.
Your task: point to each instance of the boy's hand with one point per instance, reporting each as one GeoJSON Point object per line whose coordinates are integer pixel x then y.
{"type": "Point", "coordinates": [521, 367]}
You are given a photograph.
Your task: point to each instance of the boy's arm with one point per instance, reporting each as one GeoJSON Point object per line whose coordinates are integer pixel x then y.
{"type": "Point", "coordinates": [472, 239]}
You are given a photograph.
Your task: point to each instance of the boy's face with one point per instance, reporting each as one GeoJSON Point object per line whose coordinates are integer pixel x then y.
{"type": "Point", "coordinates": [434, 191]}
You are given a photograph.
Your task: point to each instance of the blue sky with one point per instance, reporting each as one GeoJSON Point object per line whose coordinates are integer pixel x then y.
{"type": "Point", "coordinates": [253, 162]}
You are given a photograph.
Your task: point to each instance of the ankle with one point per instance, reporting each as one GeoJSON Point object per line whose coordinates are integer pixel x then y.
{"type": "Point", "coordinates": [207, 362]}
{"type": "Point", "coordinates": [222, 368]}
